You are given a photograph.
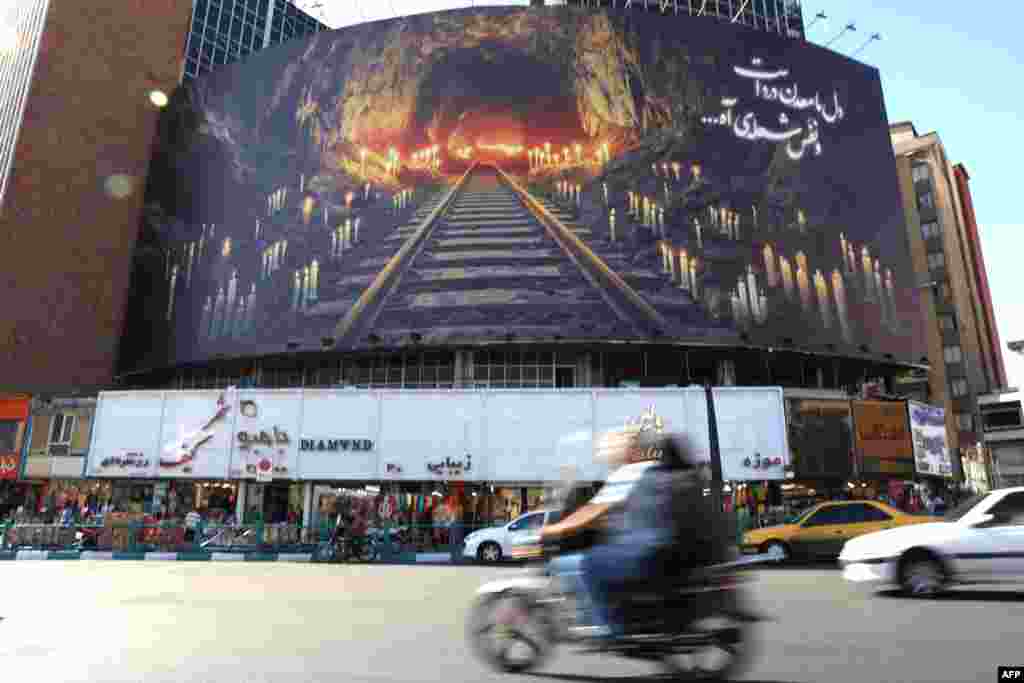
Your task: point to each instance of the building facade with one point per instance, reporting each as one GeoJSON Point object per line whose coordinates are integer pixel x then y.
{"type": "Point", "coordinates": [77, 173]}
{"type": "Point", "coordinates": [226, 31]}
{"type": "Point", "coordinates": [963, 343]}
{"type": "Point", "coordinates": [1004, 437]}
{"type": "Point", "coordinates": [782, 17]}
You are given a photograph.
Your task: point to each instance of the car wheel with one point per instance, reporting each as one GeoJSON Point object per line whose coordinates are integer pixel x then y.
{"type": "Point", "coordinates": [922, 576]}
{"type": "Point", "coordinates": [777, 550]}
{"type": "Point", "coordinates": [489, 553]}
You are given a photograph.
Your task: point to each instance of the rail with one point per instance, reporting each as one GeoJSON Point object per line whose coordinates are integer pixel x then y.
{"type": "Point", "coordinates": [593, 267]}
{"type": "Point", "coordinates": [368, 306]}
{"type": "Point", "coordinates": [623, 300]}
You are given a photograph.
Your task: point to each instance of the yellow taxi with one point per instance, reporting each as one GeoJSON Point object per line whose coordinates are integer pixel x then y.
{"type": "Point", "coordinates": [821, 530]}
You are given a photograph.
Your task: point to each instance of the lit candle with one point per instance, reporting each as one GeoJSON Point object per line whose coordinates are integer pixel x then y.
{"type": "Point", "coordinates": [741, 289]}
{"type": "Point", "coordinates": [684, 270]}
{"type": "Point", "coordinates": [769, 266]}
{"type": "Point", "coordinates": [348, 200]}
{"type": "Point", "coordinates": [821, 287]}
{"type": "Point", "coordinates": [763, 301]}
{"type": "Point", "coordinates": [804, 284]}
{"type": "Point", "coordinates": [355, 230]}
{"type": "Point", "coordinates": [604, 186]}
{"type": "Point", "coordinates": [675, 169]}
{"type": "Point", "coordinates": [787, 276]}
{"type": "Point", "coordinates": [737, 313]}
{"type": "Point", "coordinates": [611, 223]}
{"type": "Point", "coordinates": [752, 291]}
{"type": "Point", "coordinates": [839, 292]}
{"type": "Point", "coordinates": [869, 279]}
{"type": "Point", "coordinates": [890, 295]}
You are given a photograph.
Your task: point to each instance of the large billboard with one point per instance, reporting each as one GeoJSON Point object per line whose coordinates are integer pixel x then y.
{"type": "Point", "coordinates": [525, 174]}
{"type": "Point", "coordinates": [931, 450]}
{"type": "Point", "coordinates": [882, 439]}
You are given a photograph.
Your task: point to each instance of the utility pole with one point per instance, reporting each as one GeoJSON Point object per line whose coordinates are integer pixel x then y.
{"type": "Point", "coordinates": [716, 455]}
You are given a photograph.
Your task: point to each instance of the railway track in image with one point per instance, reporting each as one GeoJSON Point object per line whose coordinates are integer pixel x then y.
{"type": "Point", "coordinates": [491, 261]}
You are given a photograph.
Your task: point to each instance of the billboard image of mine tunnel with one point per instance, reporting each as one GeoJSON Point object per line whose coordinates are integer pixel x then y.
{"type": "Point", "coordinates": [524, 174]}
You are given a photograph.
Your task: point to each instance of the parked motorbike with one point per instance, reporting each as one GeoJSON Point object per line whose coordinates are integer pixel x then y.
{"type": "Point", "coordinates": [86, 538]}
{"type": "Point", "coordinates": [699, 630]}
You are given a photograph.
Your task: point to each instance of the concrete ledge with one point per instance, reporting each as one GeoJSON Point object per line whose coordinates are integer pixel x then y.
{"type": "Point", "coordinates": [200, 556]}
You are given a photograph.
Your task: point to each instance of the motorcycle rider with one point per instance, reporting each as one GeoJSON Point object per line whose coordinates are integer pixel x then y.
{"type": "Point", "coordinates": [661, 525]}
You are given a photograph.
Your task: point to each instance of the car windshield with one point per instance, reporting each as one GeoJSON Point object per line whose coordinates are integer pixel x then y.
{"type": "Point", "coordinates": [802, 515]}
{"type": "Point", "coordinates": [961, 510]}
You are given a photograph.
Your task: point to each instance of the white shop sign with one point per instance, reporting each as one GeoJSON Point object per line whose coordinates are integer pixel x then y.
{"type": "Point", "coordinates": [752, 438]}
{"type": "Point", "coordinates": [266, 435]}
{"type": "Point", "coordinates": [125, 440]}
{"type": "Point", "coordinates": [433, 435]}
{"type": "Point", "coordinates": [339, 436]}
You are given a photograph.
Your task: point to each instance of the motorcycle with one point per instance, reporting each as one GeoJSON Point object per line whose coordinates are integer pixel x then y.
{"type": "Point", "coordinates": [680, 627]}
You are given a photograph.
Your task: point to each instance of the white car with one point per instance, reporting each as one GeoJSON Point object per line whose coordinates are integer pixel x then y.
{"type": "Point", "coordinates": [981, 541]}
{"type": "Point", "coordinates": [496, 543]}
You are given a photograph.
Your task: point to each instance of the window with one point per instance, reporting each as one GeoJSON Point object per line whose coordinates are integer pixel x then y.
{"type": "Point", "coordinates": [1009, 510]}
{"type": "Point", "coordinates": [9, 436]}
{"type": "Point", "coordinates": [959, 387]}
{"type": "Point", "coordinates": [528, 523]}
{"type": "Point", "coordinates": [833, 514]}
{"type": "Point", "coordinates": [936, 260]}
{"type": "Point", "coordinates": [952, 354]}
{"type": "Point", "coordinates": [930, 230]}
{"type": "Point", "coordinates": [947, 293]}
{"type": "Point", "coordinates": [873, 514]}
{"type": "Point", "coordinates": [947, 322]}
{"type": "Point", "coordinates": [920, 172]}
{"type": "Point", "coordinates": [965, 422]}
{"type": "Point", "coordinates": [926, 200]}
{"type": "Point", "coordinates": [62, 429]}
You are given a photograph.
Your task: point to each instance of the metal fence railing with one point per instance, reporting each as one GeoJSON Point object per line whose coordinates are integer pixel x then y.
{"type": "Point", "coordinates": [390, 541]}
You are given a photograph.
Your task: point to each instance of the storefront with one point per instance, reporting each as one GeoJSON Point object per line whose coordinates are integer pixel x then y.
{"type": "Point", "coordinates": [432, 459]}
{"type": "Point", "coordinates": [14, 412]}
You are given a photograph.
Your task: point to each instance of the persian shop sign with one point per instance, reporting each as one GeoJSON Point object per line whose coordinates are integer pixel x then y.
{"type": "Point", "coordinates": [881, 431]}
{"type": "Point", "coordinates": [333, 445]}
{"type": "Point", "coordinates": [9, 466]}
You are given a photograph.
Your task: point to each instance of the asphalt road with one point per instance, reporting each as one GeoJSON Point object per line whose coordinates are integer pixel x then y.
{"type": "Point", "coordinates": [256, 622]}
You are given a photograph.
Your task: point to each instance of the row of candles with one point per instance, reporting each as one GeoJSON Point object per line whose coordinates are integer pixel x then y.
{"type": "Point", "coordinates": [227, 314]}
{"type": "Point", "coordinates": [305, 286]}
{"type": "Point", "coordinates": [545, 157]}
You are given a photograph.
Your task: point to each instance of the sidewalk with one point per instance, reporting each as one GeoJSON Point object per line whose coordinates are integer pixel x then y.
{"type": "Point", "coordinates": [202, 556]}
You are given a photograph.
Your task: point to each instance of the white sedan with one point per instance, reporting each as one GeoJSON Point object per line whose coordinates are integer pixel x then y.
{"type": "Point", "coordinates": [498, 543]}
{"type": "Point", "coordinates": [981, 541]}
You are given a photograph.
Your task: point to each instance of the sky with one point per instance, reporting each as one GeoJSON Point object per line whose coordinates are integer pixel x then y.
{"type": "Point", "coordinates": [949, 66]}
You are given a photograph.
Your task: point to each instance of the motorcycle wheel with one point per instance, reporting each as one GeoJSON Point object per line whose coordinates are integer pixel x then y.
{"type": "Point", "coordinates": [725, 656]}
{"type": "Point", "coordinates": [510, 633]}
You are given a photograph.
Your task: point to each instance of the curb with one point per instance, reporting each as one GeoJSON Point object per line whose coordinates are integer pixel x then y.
{"type": "Point", "coordinates": [93, 555]}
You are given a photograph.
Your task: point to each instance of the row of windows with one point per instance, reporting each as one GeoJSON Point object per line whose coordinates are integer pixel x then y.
{"type": "Point", "coordinates": [776, 16]}
{"type": "Point", "coordinates": [226, 31]}
{"type": "Point", "coordinates": [16, 65]}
